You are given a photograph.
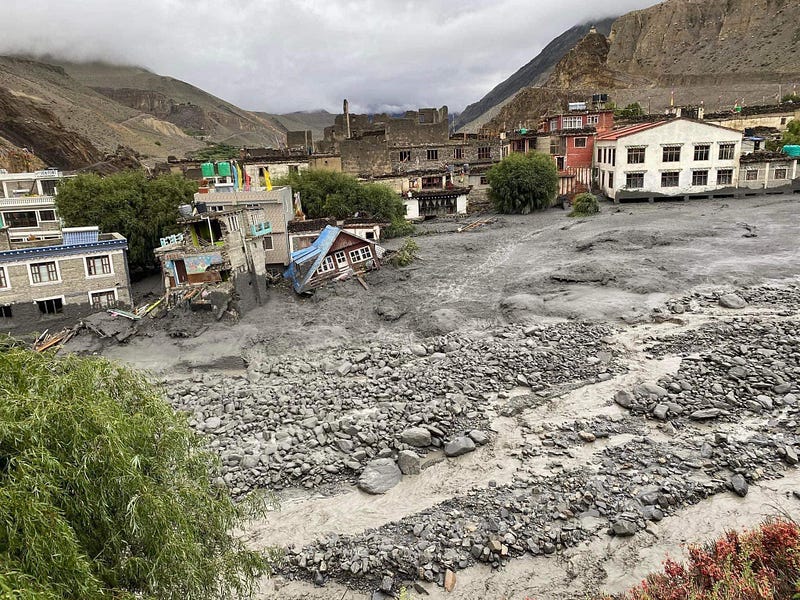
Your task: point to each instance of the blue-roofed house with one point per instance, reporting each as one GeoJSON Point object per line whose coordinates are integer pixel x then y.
{"type": "Point", "coordinates": [333, 256]}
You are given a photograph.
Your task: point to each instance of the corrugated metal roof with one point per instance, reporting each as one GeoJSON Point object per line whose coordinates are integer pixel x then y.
{"type": "Point", "coordinates": [305, 262]}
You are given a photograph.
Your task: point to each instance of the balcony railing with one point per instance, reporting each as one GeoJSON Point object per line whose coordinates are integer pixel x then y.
{"type": "Point", "coordinates": [259, 229]}
{"type": "Point", "coordinates": [27, 201]}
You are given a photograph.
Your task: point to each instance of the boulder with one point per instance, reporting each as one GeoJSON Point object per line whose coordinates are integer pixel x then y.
{"type": "Point", "coordinates": [419, 437]}
{"type": "Point", "coordinates": [624, 398]}
{"type": "Point", "coordinates": [624, 528]}
{"type": "Point", "coordinates": [409, 462]}
{"type": "Point", "coordinates": [739, 485]}
{"type": "Point", "coordinates": [379, 476]}
{"type": "Point", "coordinates": [458, 446]}
{"type": "Point", "coordinates": [733, 301]}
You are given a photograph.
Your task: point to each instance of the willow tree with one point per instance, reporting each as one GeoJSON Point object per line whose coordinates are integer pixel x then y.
{"type": "Point", "coordinates": [521, 183]}
{"type": "Point", "coordinates": [105, 492]}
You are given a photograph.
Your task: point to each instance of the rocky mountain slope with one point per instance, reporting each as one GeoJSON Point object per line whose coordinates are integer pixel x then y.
{"type": "Point", "coordinates": [711, 51]}
{"type": "Point", "coordinates": [534, 73]}
{"type": "Point", "coordinates": [72, 115]}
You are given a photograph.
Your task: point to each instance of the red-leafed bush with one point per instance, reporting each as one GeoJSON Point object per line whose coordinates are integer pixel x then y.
{"type": "Point", "coordinates": [762, 564]}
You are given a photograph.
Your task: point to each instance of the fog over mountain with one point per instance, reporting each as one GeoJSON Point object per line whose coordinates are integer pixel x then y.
{"type": "Point", "coordinates": [285, 55]}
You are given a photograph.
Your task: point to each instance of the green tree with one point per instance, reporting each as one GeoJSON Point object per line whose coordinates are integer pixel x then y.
{"type": "Point", "coordinates": [632, 110]}
{"type": "Point", "coordinates": [106, 493]}
{"type": "Point", "coordinates": [216, 152]}
{"type": "Point", "coordinates": [141, 209]}
{"type": "Point", "coordinates": [522, 183]}
{"type": "Point", "coordinates": [326, 193]}
{"type": "Point", "coordinates": [791, 137]}
{"type": "Point", "coordinates": [585, 205]}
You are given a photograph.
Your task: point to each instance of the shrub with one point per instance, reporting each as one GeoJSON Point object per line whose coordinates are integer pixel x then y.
{"type": "Point", "coordinates": [585, 205]}
{"type": "Point", "coordinates": [406, 254]}
{"type": "Point", "coordinates": [762, 564]}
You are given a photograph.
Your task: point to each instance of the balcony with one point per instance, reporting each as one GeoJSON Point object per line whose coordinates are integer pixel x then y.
{"type": "Point", "coordinates": [28, 202]}
{"type": "Point", "coordinates": [260, 229]}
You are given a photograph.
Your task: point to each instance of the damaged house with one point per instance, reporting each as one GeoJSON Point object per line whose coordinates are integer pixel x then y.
{"type": "Point", "coordinates": [333, 256]}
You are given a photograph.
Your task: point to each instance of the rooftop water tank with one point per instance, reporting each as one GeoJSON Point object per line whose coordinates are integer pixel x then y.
{"type": "Point", "coordinates": [224, 169]}
{"type": "Point", "coordinates": [792, 150]}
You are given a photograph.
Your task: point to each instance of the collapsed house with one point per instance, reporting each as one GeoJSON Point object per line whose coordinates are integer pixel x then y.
{"type": "Point", "coordinates": [335, 255]}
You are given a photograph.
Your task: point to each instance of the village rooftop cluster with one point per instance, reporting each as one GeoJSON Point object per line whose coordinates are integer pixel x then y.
{"type": "Point", "coordinates": [241, 232]}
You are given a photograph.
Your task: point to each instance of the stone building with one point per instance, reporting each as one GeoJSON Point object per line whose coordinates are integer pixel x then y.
{"type": "Point", "coordinates": [770, 172]}
{"type": "Point", "coordinates": [46, 284]}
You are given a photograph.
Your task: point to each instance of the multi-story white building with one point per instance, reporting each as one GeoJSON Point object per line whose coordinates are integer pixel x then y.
{"type": "Point", "coordinates": [679, 158]}
{"type": "Point", "coordinates": [27, 204]}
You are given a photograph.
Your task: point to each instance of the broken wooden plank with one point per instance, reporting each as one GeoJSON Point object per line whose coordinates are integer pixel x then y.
{"type": "Point", "coordinates": [117, 312]}
{"type": "Point", "coordinates": [362, 282]}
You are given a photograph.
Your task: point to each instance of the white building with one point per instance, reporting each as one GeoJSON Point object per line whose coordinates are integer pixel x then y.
{"type": "Point", "coordinates": [679, 158]}
{"type": "Point", "coordinates": [435, 203]}
{"type": "Point", "coordinates": [28, 206]}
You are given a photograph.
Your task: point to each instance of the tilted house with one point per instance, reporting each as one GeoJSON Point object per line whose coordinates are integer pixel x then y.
{"type": "Point", "coordinates": [333, 256]}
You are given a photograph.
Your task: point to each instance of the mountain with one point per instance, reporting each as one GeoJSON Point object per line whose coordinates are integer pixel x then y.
{"type": "Point", "coordinates": [713, 51]}
{"type": "Point", "coordinates": [72, 115]}
{"type": "Point", "coordinates": [315, 121]}
{"type": "Point", "coordinates": [534, 73]}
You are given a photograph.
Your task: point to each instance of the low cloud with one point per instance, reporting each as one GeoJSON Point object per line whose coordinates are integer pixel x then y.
{"type": "Point", "coordinates": [286, 55]}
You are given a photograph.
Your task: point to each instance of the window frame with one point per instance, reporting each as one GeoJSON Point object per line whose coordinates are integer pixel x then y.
{"type": "Point", "coordinates": [341, 259]}
{"type": "Point", "coordinates": [106, 292]}
{"type": "Point", "coordinates": [102, 273]}
{"type": "Point", "coordinates": [751, 174]}
{"type": "Point", "coordinates": [56, 311]}
{"type": "Point", "coordinates": [638, 154]}
{"type": "Point", "coordinates": [699, 173]}
{"type": "Point", "coordinates": [458, 153]}
{"type": "Point", "coordinates": [729, 176]}
{"type": "Point", "coordinates": [38, 271]}
{"type": "Point", "coordinates": [592, 119]}
{"type": "Point", "coordinates": [703, 151]}
{"type": "Point", "coordinates": [326, 266]}
{"type": "Point", "coordinates": [25, 212]}
{"type": "Point", "coordinates": [405, 156]}
{"type": "Point", "coordinates": [6, 308]}
{"type": "Point", "coordinates": [579, 139]}
{"type": "Point", "coordinates": [264, 239]}
{"type": "Point", "coordinates": [671, 153]}
{"type": "Point", "coordinates": [783, 170]}
{"type": "Point", "coordinates": [432, 154]}
{"type": "Point", "coordinates": [572, 122]}
{"type": "Point", "coordinates": [5, 282]}
{"type": "Point", "coordinates": [725, 149]}
{"type": "Point", "coordinates": [355, 255]}
{"type": "Point", "coordinates": [484, 153]}
{"type": "Point", "coordinates": [670, 174]}
{"type": "Point", "coordinates": [628, 177]}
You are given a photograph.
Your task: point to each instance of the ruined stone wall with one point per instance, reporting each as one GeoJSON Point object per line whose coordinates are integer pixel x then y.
{"type": "Point", "coordinates": [366, 156]}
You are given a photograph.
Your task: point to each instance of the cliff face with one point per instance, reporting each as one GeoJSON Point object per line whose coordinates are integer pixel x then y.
{"type": "Point", "coordinates": [714, 51]}
{"type": "Point", "coordinates": [534, 73]}
{"type": "Point", "coordinates": [687, 41]}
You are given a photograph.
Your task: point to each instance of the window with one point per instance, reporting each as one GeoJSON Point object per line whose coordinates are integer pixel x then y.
{"type": "Point", "coordinates": [613, 157]}
{"type": "Point", "coordinates": [20, 218]}
{"type": "Point", "coordinates": [3, 278]}
{"type": "Point", "coordinates": [751, 175]}
{"type": "Point", "coordinates": [361, 254]}
{"type": "Point", "coordinates": [433, 154]}
{"type": "Point", "coordinates": [47, 215]}
{"type": "Point", "coordinates": [635, 156]}
{"type": "Point", "coordinates": [610, 180]}
{"type": "Point", "coordinates": [699, 177]}
{"type": "Point", "coordinates": [484, 153]}
{"type": "Point", "coordinates": [780, 173]}
{"type": "Point", "coordinates": [233, 222]}
{"type": "Point", "coordinates": [98, 265]}
{"type": "Point", "coordinates": [5, 311]}
{"type": "Point", "coordinates": [50, 306]}
{"type": "Point", "coordinates": [104, 299]}
{"type": "Point", "coordinates": [671, 154]}
{"type": "Point", "coordinates": [783, 120]}
{"type": "Point", "coordinates": [670, 179]}
{"type": "Point", "coordinates": [726, 151]}
{"type": "Point", "coordinates": [702, 152]}
{"type": "Point", "coordinates": [484, 180]}
{"type": "Point", "coordinates": [341, 259]}
{"type": "Point", "coordinates": [724, 176]}
{"type": "Point", "coordinates": [326, 266]}
{"type": "Point", "coordinates": [293, 169]}
{"type": "Point", "coordinates": [572, 122]}
{"type": "Point", "coordinates": [405, 155]}
{"type": "Point", "coordinates": [592, 119]}
{"type": "Point", "coordinates": [580, 142]}
{"type": "Point", "coordinates": [216, 208]}
{"type": "Point", "coordinates": [553, 124]}
{"type": "Point", "coordinates": [44, 272]}
{"type": "Point", "coordinates": [634, 180]}
{"type": "Point", "coordinates": [266, 242]}
{"type": "Point", "coordinates": [49, 187]}
{"type": "Point", "coordinates": [458, 153]}
{"type": "Point", "coordinates": [431, 182]}
{"type": "Point", "coordinates": [600, 155]}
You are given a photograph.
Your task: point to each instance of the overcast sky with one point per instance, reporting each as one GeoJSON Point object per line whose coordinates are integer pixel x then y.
{"type": "Point", "coordinates": [286, 55]}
